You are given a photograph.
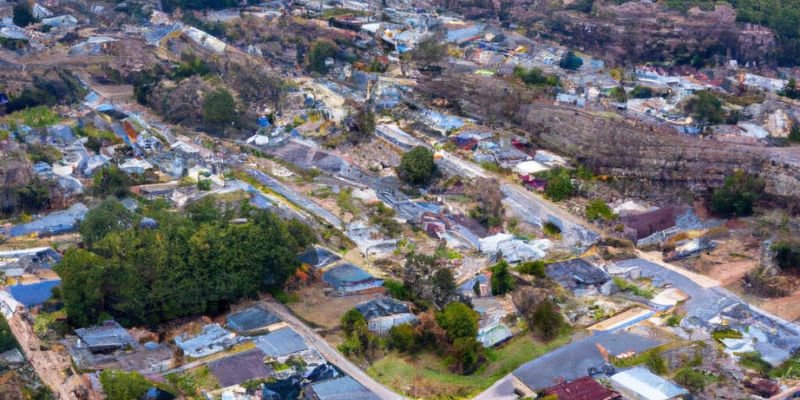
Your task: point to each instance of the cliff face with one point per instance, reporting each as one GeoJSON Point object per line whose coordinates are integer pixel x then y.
{"type": "Point", "coordinates": [611, 145]}
{"type": "Point", "coordinates": [636, 32]}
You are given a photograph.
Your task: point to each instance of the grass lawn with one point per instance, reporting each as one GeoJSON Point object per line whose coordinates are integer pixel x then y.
{"type": "Point", "coordinates": [434, 380]}
{"type": "Point", "coordinates": [193, 381]}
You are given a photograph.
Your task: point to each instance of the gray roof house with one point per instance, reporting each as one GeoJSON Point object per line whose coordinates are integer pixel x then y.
{"type": "Point", "coordinates": [281, 343]}
{"type": "Point", "coordinates": [252, 321]}
{"type": "Point", "coordinates": [344, 388]}
{"type": "Point", "coordinates": [576, 274]}
{"type": "Point", "coordinates": [106, 337]}
{"type": "Point", "coordinates": [385, 312]}
{"type": "Point", "coordinates": [211, 340]}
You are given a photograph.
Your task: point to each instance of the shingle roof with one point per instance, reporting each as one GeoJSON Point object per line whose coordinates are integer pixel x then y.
{"type": "Point", "coordinates": [282, 342]}
{"type": "Point", "coordinates": [345, 388]}
{"type": "Point", "coordinates": [239, 368]}
{"type": "Point", "coordinates": [251, 319]}
{"type": "Point", "coordinates": [584, 388]}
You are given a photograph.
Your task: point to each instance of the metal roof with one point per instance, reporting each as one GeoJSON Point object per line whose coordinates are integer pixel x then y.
{"type": "Point", "coordinates": [282, 342]}
{"type": "Point", "coordinates": [251, 319]}
{"type": "Point", "coordinates": [345, 388]}
{"type": "Point", "coordinates": [35, 293]}
{"type": "Point", "coordinates": [646, 385]}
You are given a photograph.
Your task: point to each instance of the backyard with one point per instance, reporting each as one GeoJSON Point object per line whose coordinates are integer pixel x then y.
{"type": "Point", "coordinates": [426, 376]}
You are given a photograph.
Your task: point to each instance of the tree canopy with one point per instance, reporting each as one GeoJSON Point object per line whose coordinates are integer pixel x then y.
{"type": "Point", "coordinates": [417, 166]}
{"type": "Point", "coordinates": [219, 110]}
{"type": "Point", "coordinates": [706, 107]}
{"type": "Point", "coordinates": [570, 61]}
{"type": "Point", "coordinates": [121, 385]}
{"type": "Point", "coordinates": [184, 266]}
{"type": "Point", "coordinates": [737, 194]}
{"type": "Point", "coordinates": [321, 49]}
{"type": "Point", "coordinates": [502, 281]}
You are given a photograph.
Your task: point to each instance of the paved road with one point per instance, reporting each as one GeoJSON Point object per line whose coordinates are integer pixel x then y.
{"type": "Point", "coordinates": [332, 355]}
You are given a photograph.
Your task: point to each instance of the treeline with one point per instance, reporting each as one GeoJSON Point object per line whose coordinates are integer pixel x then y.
{"type": "Point", "coordinates": [172, 265]}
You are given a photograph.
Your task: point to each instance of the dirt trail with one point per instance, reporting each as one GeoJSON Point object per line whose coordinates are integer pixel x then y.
{"type": "Point", "coordinates": [50, 365]}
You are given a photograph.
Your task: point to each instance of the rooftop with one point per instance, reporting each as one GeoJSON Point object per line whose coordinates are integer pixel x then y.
{"type": "Point", "coordinates": [318, 257]}
{"type": "Point", "coordinates": [584, 388]}
{"type": "Point", "coordinates": [35, 293]}
{"type": "Point", "coordinates": [381, 307]}
{"type": "Point", "coordinates": [239, 368]}
{"type": "Point", "coordinates": [576, 273]}
{"type": "Point", "coordinates": [644, 384]}
{"type": "Point", "coordinates": [282, 342]}
{"type": "Point", "coordinates": [109, 334]}
{"type": "Point", "coordinates": [251, 319]}
{"type": "Point", "coordinates": [345, 275]}
{"type": "Point", "coordinates": [345, 388]}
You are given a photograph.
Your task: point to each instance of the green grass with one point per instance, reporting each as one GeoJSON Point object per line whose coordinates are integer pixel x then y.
{"type": "Point", "coordinates": [753, 360]}
{"type": "Point", "coordinates": [193, 381]}
{"type": "Point", "coordinates": [35, 117]}
{"type": "Point", "coordinates": [433, 379]}
{"type": "Point", "coordinates": [633, 288]}
{"type": "Point", "coordinates": [726, 334]}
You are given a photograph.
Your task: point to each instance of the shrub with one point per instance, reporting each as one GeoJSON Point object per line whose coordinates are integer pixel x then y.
{"type": "Point", "coordinates": [502, 281]}
{"type": "Point", "coordinates": [546, 322]}
{"type": "Point", "coordinates": [551, 229]}
{"type": "Point", "coordinates": [737, 194]}
{"type": "Point", "coordinates": [693, 379]}
{"type": "Point", "coordinates": [321, 49]}
{"type": "Point", "coordinates": [535, 268]}
{"type": "Point", "coordinates": [570, 61]}
{"type": "Point", "coordinates": [219, 110]}
{"type": "Point", "coordinates": [402, 337]}
{"type": "Point", "coordinates": [598, 209]}
{"type": "Point", "coordinates": [787, 254]}
{"type": "Point", "coordinates": [706, 107]}
{"type": "Point", "coordinates": [559, 185]}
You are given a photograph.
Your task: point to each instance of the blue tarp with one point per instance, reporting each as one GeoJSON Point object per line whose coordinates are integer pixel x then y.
{"type": "Point", "coordinates": [263, 122]}
{"type": "Point", "coordinates": [35, 293]}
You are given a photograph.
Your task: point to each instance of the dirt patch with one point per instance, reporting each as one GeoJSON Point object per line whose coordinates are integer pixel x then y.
{"type": "Point", "coordinates": [787, 308]}
{"type": "Point", "coordinates": [324, 311]}
{"type": "Point", "coordinates": [729, 262]}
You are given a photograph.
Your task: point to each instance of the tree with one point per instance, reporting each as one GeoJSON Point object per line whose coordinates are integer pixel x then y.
{"type": "Point", "coordinates": [109, 216]}
{"type": "Point", "coordinates": [794, 134]}
{"type": "Point", "coordinates": [465, 355]}
{"type": "Point", "coordinates": [417, 166]}
{"type": "Point", "coordinates": [23, 15]}
{"type": "Point", "coordinates": [787, 254]}
{"type": "Point", "coordinates": [535, 268]}
{"type": "Point", "coordinates": [430, 50]}
{"type": "Point", "coordinates": [489, 211]}
{"type": "Point", "coordinates": [121, 385]}
{"type": "Point", "coordinates": [321, 49]}
{"type": "Point", "coordinates": [502, 281]}
{"type": "Point", "coordinates": [219, 110]}
{"type": "Point", "coordinates": [361, 125]}
{"type": "Point", "coordinates": [641, 92]}
{"type": "Point", "coordinates": [570, 61]}
{"type": "Point", "coordinates": [706, 107]}
{"type": "Point", "coordinates": [618, 93]}
{"type": "Point", "coordinates": [402, 338]}
{"type": "Point", "coordinates": [350, 319]}
{"type": "Point", "coordinates": [535, 77]}
{"type": "Point", "coordinates": [111, 181]}
{"type": "Point", "coordinates": [737, 194]}
{"type": "Point", "coordinates": [790, 90]}
{"type": "Point", "coordinates": [82, 278]}
{"type": "Point", "coordinates": [559, 185]}
{"type": "Point", "coordinates": [458, 321]}
{"type": "Point", "coordinates": [546, 322]}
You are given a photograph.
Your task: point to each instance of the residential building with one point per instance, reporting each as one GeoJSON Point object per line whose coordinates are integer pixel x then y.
{"type": "Point", "coordinates": [639, 383]}
{"type": "Point", "coordinates": [584, 388]}
{"type": "Point", "coordinates": [344, 388]}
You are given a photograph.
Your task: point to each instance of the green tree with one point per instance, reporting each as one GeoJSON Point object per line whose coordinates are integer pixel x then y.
{"type": "Point", "coordinates": [321, 49]}
{"type": "Point", "coordinates": [559, 185]}
{"type": "Point", "coordinates": [502, 281]}
{"type": "Point", "coordinates": [535, 268]}
{"type": "Point", "coordinates": [110, 216]}
{"type": "Point", "coordinates": [794, 134]}
{"type": "Point", "coordinates": [430, 50]}
{"type": "Point", "coordinates": [35, 196]}
{"type": "Point", "coordinates": [111, 181]}
{"type": "Point", "coordinates": [219, 110]}
{"type": "Point", "coordinates": [787, 254]}
{"type": "Point", "coordinates": [458, 320]}
{"type": "Point", "coordinates": [402, 338]}
{"type": "Point", "coordinates": [464, 355]}
{"type": "Point", "coordinates": [361, 125]}
{"type": "Point", "coordinates": [23, 15]}
{"type": "Point", "coordinates": [121, 385]}
{"type": "Point", "coordinates": [82, 278]}
{"type": "Point", "coordinates": [737, 194]}
{"type": "Point", "coordinates": [535, 77]}
{"type": "Point", "coordinates": [417, 166]}
{"type": "Point", "coordinates": [350, 319]}
{"type": "Point", "coordinates": [546, 322]}
{"type": "Point", "coordinates": [706, 107]}
{"type": "Point", "coordinates": [570, 61]}
{"type": "Point", "coordinates": [790, 90]}
{"type": "Point", "coordinates": [618, 93]}
{"type": "Point", "coordinates": [7, 339]}
{"type": "Point", "coordinates": [641, 92]}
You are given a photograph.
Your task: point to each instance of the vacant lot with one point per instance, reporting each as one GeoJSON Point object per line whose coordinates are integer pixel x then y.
{"type": "Point", "coordinates": [427, 376]}
{"type": "Point", "coordinates": [324, 311]}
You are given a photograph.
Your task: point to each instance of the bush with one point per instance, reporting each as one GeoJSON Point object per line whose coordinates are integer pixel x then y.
{"type": "Point", "coordinates": [551, 229]}
{"type": "Point", "coordinates": [693, 379]}
{"type": "Point", "coordinates": [598, 209]}
{"type": "Point", "coordinates": [559, 185]}
{"type": "Point", "coordinates": [535, 268]}
{"type": "Point", "coordinates": [111, 181]}
{"type": "Point", "coordinates": [535, 77]}
{"type": "Point", "coordinates": [641, 92]}
{"type": "Point", "coordinates": [321, 49]}
{"type": "Point", "coordinates": [787, 254]}
{"type": "Point", "coordinates": [417, 166]}
{"type": "Point", "coordinates": [350, 320]}
{"type": "Point", "coordinates": [23, 15]}
{"type": "Point", "coordinates": [632, 288]}
{"type": "Point", "coordinates": [458, 320]}
{"type": "Point", "coordinates": [737, 195]}
{"type": "Point", "coordinates": [402, 338]}
{"type": "Point", "coordinates": [706, 107]}
{"type": "Point", "coordinates": [546, 322]}
{"type": "Point", "coordinates": [570, 61]}
{"type": "Point", "coordinates": [120, 385]}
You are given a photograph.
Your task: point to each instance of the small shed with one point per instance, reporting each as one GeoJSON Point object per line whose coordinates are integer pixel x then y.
{"type": "Point", "coordinates": [639, 383]}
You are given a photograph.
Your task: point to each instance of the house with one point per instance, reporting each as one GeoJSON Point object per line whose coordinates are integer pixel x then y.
{"type": "Point", "coordinates": [344, 388]}
{"type": "Point", "coordinates": [639, 383]}
{"type": "Point", "coordinates": [577, 274]}
{"type": "Point", "coordinates": [348, 279]}
{"type": "Point", "coordinates": [494, 334]}
{"type": "Point", "coordinates": [484, 287]}
{"type": "Point", "coordinates": [212, 339]}
{"type": "Point", "coordinates": [34, 294]}
{"type": "Point", "coordinates": [253, 321]}
{"type": "Point", "coordinates": [54, 223]}
{"type": "Point", "coordinates": [281, 343]}
{"type": "Point", "coordinates": [135, 166]}
{"type": "Point", "coordinates": [107, 337]}
{"type": "Point", "coordinates": [640, 226]}
{"type": "Point", "coordinates": [318, 257]}
{"type": "Point", "coordinates": [384, 313]}
{"type": "Point", "coordinates": [240, 368]}
{"type": "Point", "coordinates": [584, 388]}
